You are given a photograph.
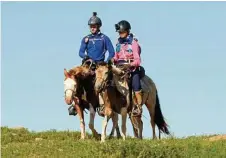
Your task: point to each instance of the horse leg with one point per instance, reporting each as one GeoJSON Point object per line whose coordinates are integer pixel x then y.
{"type": "Point", "coordinates": [135, 131]}
{"type": "Point", "coordinates": [124, 117]}
{"type": "Point", "coordinates": [115, 126]}
{"type": "Point", "coordinates": [140, 128]}
{"type": "Point", "coordinates": [91, 122]}
{"type": "Point", "coordinates": [134, 120]}
{"type": "Point", "coordinates": [81, 118]}
{"type": "Point", "coordinates": [128, 100]}
{"type": "Point", "coordinates": [112, 130]}
{"type": "Point", "coordinates": [104, 127]}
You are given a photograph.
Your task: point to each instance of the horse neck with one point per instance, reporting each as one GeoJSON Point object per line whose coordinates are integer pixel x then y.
{"type": "Point", "coordinates": [88, 81]}
{"type": "Point", "coordinates": [120, 83]}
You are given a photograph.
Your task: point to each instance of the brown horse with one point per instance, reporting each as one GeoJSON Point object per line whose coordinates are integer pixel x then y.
{"type": "Point", "coordinates": [114, 101]}
{"type": "Point", "coordinates": [150, 99]}
{"type": "Point", "coordinates": [77, 81]}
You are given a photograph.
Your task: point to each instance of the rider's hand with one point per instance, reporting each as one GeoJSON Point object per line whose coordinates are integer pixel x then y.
{"type": "Point", "coordinates": [126, 66]}
{"type": "Point", "coordinates": [85, 58]}
{"type": "Point", "coordinates": [111, 61]}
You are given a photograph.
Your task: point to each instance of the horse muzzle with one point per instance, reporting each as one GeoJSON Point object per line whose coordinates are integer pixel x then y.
{"type": "Point", "coordinates": [68, 101]}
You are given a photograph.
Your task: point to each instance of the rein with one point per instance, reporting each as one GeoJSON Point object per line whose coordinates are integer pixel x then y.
{"type": "Point", "coordinates": [125, 74]}
{"type": "Point", "coordinates": [106, 83]}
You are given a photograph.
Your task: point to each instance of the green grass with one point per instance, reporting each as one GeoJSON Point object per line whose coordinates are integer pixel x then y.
{"type": "Point", "coordinates": [22, 143]}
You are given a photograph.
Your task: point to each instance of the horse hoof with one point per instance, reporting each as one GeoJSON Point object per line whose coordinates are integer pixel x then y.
{"type": "Point", "coordinates": [102, 141]}
{"type": "Point", "coordinates": [119, 137]}
{"type": "Point", "coordinates": [110, 137]}
{"type": "Point", "coordinates": [98, 136]}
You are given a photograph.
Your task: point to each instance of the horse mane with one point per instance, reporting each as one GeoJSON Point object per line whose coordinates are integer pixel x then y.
{"type": "Point", "coordinates": [102, 64]}
{"type": "Point", "coordinates": [79, 71]}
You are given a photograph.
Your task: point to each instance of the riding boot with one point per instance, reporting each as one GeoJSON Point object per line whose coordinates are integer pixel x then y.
{"type": "Point", "coordinates": [139, 99]}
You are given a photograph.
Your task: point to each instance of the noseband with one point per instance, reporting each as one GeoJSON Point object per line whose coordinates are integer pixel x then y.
{"type": "Point", "coordinates": [73, 92]}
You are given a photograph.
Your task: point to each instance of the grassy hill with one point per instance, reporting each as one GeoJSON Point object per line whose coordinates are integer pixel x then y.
{"type": "Point", "coordinates": [22, 143]}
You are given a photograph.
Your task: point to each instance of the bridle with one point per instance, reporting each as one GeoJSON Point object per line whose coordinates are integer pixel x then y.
{"type": "Point", "coordinates": [106, 81]}
{"type": "Point", "coordinates": [70, 89]}
{"type": "Point", "coordinates": [73, 92]}
{"type": "Point", "coordinates": [105, 84]}
{"type": "Point", "coordinates": [126, 72]}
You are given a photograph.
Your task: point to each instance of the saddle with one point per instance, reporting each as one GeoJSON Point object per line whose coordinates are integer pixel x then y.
{"type": "Point", "coordinates": [126, 70]}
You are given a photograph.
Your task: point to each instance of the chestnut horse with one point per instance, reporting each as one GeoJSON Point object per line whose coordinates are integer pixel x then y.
{"type": "Point", "coordinates": [113, 101]}
{"type": "Point", "coordinates": [75, 80]}
{"type": "Point", "coordinates": [150, 98]}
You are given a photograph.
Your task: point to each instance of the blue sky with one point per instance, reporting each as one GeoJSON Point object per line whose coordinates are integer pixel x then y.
{"type": "Point", "coordinates": [183, 51]}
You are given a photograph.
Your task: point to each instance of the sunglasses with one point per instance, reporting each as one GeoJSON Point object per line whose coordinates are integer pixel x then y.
{"type": "Point", "coordinates": [122, 32]}
{"type": "Point", "coordinates": [93, 26]}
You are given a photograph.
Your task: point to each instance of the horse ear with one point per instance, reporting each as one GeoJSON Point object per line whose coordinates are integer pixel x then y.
{"type": "Point", "coordinates": [66, 74]}
{"type": "Point", "coordinates": [73, 77]}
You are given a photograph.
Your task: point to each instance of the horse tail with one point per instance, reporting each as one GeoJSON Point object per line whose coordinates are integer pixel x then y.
{"type": "Point", "coordinates": [159, 119]}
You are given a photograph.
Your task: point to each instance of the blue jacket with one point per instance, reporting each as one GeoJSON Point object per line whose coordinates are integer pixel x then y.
{"type": "Point", "coordinates": [96, 47]}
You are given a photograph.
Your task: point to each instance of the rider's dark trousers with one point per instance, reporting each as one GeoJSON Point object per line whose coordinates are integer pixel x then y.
{"type": "Point", "coordinates": [136, 85]}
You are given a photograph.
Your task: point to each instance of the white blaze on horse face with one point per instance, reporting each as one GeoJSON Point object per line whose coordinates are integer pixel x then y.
{"type": "Point", "coordinates": [69, 87]}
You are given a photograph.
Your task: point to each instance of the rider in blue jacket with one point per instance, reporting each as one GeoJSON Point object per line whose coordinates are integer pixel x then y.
{"type": "Point", "coordinates": [95, 45]}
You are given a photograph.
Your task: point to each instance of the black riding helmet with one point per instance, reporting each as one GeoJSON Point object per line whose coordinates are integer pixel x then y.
{"type": "Point", "coordinates": [94, 20]}
{"type": "Point", "coordinates": [122, 26]}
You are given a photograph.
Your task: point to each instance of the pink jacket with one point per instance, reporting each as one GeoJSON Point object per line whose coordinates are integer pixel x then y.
{"type": "Point", "coordinates": [123, 54]}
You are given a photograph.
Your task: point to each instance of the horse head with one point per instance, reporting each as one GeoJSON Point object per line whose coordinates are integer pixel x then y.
{"type": "Point", "coordinates": [71, 82]}
{"type": "Point", "coordinates": [103, 76]}
{"type": "Point", "coordinates": [70, 86]}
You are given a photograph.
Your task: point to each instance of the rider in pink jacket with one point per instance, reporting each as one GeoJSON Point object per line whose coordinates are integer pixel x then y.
{"type": "Point", "coordinates": [128, 51]}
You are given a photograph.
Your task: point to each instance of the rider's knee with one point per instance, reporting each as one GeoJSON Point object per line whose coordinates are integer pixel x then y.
{"type": "Point", "coordinates": [136, 85]}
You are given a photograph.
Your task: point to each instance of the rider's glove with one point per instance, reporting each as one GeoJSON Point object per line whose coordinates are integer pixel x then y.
{"type": "Point", "coordinates": [85, 58]}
